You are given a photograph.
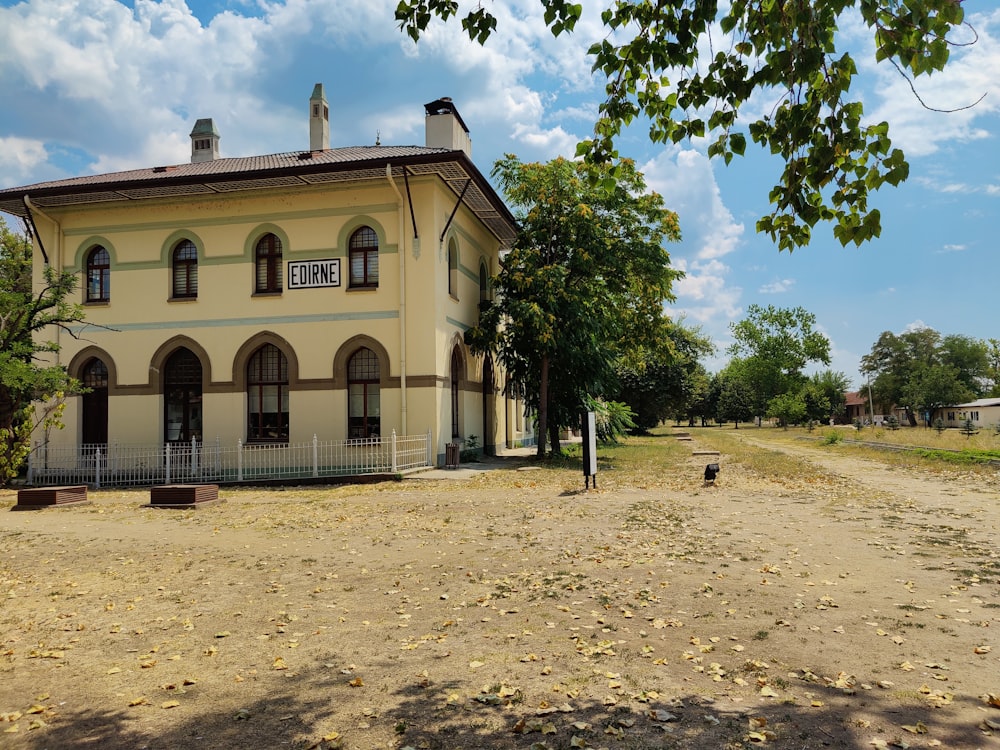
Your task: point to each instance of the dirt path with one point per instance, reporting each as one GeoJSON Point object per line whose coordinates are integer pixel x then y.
{"type": "Point", "coordinates": [511, 610]}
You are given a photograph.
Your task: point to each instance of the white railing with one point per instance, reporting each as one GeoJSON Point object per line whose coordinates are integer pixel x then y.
{"type": "Point", "coordinates": [116, 465]}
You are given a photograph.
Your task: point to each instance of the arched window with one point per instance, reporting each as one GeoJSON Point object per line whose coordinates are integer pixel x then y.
{"type": "Point", "coordinates": [268, 255]}
{"type": "Point", "coordinates": [484, 288]}
{"type": "Point", "coordinates": [94, 419]}
{"type": "Point", "coordinates": [363, 395]}
{"type": "Point", "coordinates": [456, 373]}
{"type": "Point", "coordinates": [185, 270]}
{"type": "Point", "coordinates": [98, 275]}
{"type": "Point", "coordinates": [364, 258]}
{"type": "Point", "coordinates": [453, 268]}
{"type": "Point", "coordinates": [182, 397]}
{"type": "Point", "coordinates": [267, 395]}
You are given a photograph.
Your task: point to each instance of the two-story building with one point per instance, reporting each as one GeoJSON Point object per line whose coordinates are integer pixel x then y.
{"type": "Point", "coordinates": [267, 299]}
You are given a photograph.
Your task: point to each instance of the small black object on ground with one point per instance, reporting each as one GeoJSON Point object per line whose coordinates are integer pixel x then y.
{"type": "Point", "coordinates": [711, 471]}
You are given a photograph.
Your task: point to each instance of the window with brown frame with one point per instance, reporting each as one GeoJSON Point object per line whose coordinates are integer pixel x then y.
{"type": "Point", "coordinates": [98, 275]}
{"type": "Point", "coordinates": [268, 256]}
{"type": "Point", "coordinates": [363, 249]}
{"type": "Point", "coordinates": [453, 268]}
{"type": "Point", "coordinates": [185, 270]}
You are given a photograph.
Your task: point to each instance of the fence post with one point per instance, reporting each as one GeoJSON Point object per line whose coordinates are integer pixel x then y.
{"type": "Point", "coordinates": [315, 456]}
{"type": "Point", "coordinates": [97, 469]}
{"type": "Point", "coordinates": [239, 459]}
{"type": "Point", "coordinates": [430, 459]}
{"type": "Point", "coordinates": [218, 456]}
{"type": "Point", "coordinates": [31, 463]}
{"type": "Point", "coordinates": [166, 462]}
{"type": "Point", "coordinates": [395, 463]}
{"type": "Point", "coordinates": [194, 456]}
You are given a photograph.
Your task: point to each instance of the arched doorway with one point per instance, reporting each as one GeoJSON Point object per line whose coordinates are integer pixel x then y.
{"type": "Point", "coordinates": [489, 408]}
{"type": "Point", "coordinates": [94, 418]}
{"type": "Point", "coordinates": [182, 397]}
{"type": "Point", "coordinates": [456, 379]}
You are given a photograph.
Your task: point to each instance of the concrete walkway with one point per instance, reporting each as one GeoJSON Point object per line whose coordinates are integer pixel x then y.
{"type": "Point", "coordinates": [506, 458]}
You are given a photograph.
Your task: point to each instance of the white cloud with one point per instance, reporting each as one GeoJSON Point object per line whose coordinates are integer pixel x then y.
{"type": "Point", "coordinates": [916, 325]}
{"type": "Point", "coordinates": [686, 181]}
{"type": "Point", "coordinates": [970, 73]}
{"type": "Point", "coordinates": [778, 286]}
{"type": "Point", "coordinates": [18, 158]}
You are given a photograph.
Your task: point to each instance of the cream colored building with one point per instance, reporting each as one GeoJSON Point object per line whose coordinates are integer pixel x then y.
{"type": "Point", "coordinates": [269, 299]}
{"type": "Point", "coordinates": [983, 412]}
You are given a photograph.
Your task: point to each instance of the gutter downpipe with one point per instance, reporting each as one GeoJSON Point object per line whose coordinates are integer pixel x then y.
{"type": "Point", "coordinates": [402, 298]}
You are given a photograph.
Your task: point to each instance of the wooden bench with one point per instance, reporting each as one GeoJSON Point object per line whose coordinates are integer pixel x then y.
{"type": "Point", "coordinates": [37, 498]}
{"type": "Point", "coordinates": [183, 495]}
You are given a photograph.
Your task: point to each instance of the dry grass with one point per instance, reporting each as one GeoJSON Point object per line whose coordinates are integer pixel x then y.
{"type": "Point", "coordinates": [508, 611]}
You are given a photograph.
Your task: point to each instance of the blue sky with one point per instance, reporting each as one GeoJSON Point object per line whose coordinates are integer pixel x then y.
{"type": "Point", "coordinates": [98, 86]}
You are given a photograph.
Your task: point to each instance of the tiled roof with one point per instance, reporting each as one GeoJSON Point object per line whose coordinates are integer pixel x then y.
{"type": "Point", "coordinates": [294, 168]}
{"type": "Point", "coordinates": [854, 398]}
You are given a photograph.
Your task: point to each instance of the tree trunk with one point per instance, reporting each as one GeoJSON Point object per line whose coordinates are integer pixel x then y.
{"type": "Point", "coordinates": [554, 438]}
{"type": "Point", "coordinates": [543, 406]}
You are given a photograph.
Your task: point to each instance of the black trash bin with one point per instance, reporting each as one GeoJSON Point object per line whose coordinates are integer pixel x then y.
{"type": "Point", "coordinates": [451, 455]}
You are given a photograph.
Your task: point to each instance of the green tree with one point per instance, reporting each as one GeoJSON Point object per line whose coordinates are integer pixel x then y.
{"type": "Point", "coordinates": [993, 367]}
{"type": "Point", "coordinates": [931, 387]}
{"type": "Point", "coordinates": [690, 68]}
{"type": "Point", "coordinates": [970, 358]}
{"type": "Point", "coordinates": [27, 378]}
{"type": "Point", "coordinates": [774, 345]}
{"type": "Point", "coordinates": [833, 387]}
{"type": "Point", "coordinates": [787, 408]}
{"type": "Point", "coordinates": [665, 381]}
{"type": "Point", "coordinates": [920, 370]}
{"type": "Point", "coordinates": [736, 396]}
{"type": "Point", "coordinates": [582, 288]}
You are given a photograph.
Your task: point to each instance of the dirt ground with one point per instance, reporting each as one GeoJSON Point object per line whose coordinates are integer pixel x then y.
{"type": "Point", "coordinates": [510, 609]}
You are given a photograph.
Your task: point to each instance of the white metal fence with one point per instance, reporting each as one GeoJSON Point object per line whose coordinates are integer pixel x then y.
{"type": "Point", "coordinates": [116, 465]}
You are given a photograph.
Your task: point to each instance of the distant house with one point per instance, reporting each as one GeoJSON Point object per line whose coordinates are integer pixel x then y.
{"type": "Point", "coordinates": [855, 407]}
{"type": "Point", "coordinates": [982, 412]}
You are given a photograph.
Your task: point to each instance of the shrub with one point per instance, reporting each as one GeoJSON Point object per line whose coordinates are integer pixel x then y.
{"type": "Point", "coordinates": [832, 438]}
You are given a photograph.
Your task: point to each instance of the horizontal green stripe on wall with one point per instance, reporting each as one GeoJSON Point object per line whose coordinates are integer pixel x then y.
{"type": "Point", "coordinates": [159, 325]}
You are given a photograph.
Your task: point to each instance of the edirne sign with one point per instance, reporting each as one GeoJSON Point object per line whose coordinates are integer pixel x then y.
{"type": "Point", "coordinates": [313, 274]}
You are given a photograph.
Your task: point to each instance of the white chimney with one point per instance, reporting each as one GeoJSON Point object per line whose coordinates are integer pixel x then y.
{"type": "Point", "coordinates": [444, 127]}
{"type": "Point", "coordinates": [204, 141]}
{"type": "Point", "coordinates": [319, 120]}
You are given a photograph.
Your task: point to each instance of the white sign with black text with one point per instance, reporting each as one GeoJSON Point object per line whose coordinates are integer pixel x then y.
{"type": "Point", "coordinates": [313, 274]}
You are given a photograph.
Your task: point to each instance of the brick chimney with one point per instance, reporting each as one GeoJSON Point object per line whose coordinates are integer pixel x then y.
{"type": "Point", "coordinates": [444, 127]}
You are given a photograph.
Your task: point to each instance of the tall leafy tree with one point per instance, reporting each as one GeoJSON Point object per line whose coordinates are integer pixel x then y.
{"type": "Point", "coordinates": [690, 67]}
{"type": "Point", "coordinates": [919, 370]}
{"type": "Point", "coordinates": [583, 286]}
{"type": "Point", "coordinates": [27, 378]}
{"type": "Point", "coordinates": [829, 387]}
{"type": "Point", "coordinates": [668, 380]}
{"type": "Point", "coordinates": [774, 345]}
{"type": "Point", "coordinates": [736, 400]}
{"type": "Point", "coordinates": [993, 367]}
{"type": "Point", "coordinates": [970, 358]}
